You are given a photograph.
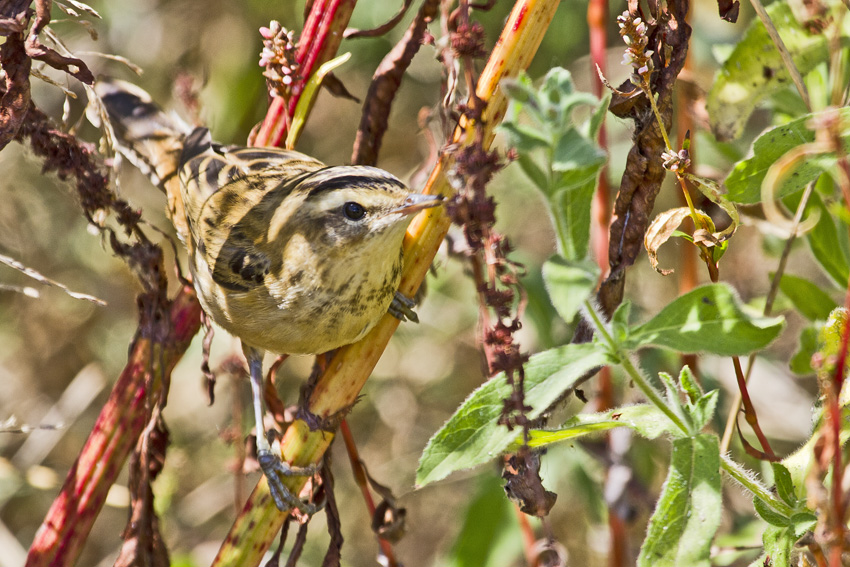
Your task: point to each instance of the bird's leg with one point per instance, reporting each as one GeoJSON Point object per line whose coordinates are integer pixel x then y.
{"type": "Point", "coordinates": [402, 308]}
{"type": "Point", "coordinates": [273, 467]}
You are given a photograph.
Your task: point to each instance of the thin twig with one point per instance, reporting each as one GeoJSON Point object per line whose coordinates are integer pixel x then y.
{"type": "Point", "coordinates": [12, 263]}
{"type": "Point", "coordinates": [352, 33]}
{"type": "Point", "coordinates": [362, 481]}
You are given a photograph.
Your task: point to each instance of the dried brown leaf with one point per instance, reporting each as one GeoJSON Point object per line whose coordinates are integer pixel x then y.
{"type": "Point", "coordinates": [660, 231]}
{"type": "Point", "coordinates": [668, 33]}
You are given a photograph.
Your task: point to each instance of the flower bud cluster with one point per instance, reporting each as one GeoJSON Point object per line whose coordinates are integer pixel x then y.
{"type": "Point", "coordinates": [278, 57]}
{"type": "Point", "coordinates": [634, 32]}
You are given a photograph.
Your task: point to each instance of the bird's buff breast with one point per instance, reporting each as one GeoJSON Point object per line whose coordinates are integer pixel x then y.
{"type": "Point", "coordinates": [301, 313]}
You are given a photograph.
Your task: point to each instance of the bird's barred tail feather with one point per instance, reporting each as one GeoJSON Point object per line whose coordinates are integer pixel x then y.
{"type": "Point", "coordinates": [149, 138]}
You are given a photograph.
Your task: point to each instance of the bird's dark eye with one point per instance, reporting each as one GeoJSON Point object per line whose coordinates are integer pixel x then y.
{"type": "Point", "coordinates": [354, 211]}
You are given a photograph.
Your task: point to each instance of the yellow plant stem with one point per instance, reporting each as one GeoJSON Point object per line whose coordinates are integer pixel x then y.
{"type": "Point", "coordinates": [647, 89]}
{"type": "Point", "coordinates": [338, 388]}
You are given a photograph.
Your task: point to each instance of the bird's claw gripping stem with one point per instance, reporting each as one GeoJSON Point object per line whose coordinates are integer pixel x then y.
{"type": "Point", "coordinates": [276, 470]}
{"type": "Point", "coordinates": [402, 308]}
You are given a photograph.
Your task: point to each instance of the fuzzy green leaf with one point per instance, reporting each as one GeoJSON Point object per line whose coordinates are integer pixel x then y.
{"type": "Point", "coordinates": [533, 171]}
{"type": "Point", "coordinates": [688, 512]}
{"type": "Point", "coordinates": [560, 156]}
{"type": "Point", "coordinates": [801, 361]}
{"type": "Point", "coordinates": [574, 152]}
{"type": "Point", "coordinates": [778, 543]}
{"type": "Point", "coordinates": [570, 204]}
{"type": "Point", "coordinates": [784, 484]}
{"type": "Point", "coordinates": [708, 319]}
{"type": "Point", "coordinates": [473, 436]}
{"type": "Point", "coordinates": [646, 420]}
{"type": "Point", "coordinates": [770, 515]}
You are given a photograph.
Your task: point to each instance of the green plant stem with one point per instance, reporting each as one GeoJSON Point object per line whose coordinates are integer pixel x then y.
{"type": "Point", "coordinates": [634, 374]}
{"type": "Point", "coordinates": [647, 89]}
{"type": "Point", "coordinates": [697, 220]}
{"type": "Point", "coordinates": [735, 470]}
{"type": "Point", "coordinates": [760, 491]}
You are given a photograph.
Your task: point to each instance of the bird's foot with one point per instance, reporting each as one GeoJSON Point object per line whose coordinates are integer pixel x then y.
{"type": "Point", "coordinates": [402, 308]}
{"type": "Point", "coordinates": [276, 471]}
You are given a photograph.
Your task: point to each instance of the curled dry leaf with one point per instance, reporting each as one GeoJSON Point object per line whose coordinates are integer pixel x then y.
{"type": "Point", "coordinates": [663, 227]}
{"type": "Point", "coordinates": [702, 236]}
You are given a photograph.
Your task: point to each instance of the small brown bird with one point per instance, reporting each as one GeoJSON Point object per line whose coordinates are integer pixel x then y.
{"type": "Point", "coordinates": [287, 254]}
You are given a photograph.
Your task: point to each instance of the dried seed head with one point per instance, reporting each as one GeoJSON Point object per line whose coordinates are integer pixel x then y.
{"type": "Point", "coordinates": [468, 40]}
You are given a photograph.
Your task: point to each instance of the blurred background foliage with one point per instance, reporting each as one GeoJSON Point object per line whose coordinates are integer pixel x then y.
{"type": "Point", "coordinates": [59, 356]}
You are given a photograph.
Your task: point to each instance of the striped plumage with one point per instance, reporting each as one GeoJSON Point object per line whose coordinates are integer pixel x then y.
{"type": "Point", "coordinates": [287, 254]}
{"type": "Point", "coordinates": [268, 229]}
{"type": "Point", "coordinates": [275, 260]}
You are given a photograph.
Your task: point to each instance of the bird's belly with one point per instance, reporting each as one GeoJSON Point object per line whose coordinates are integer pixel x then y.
{"type": "Point", "coordinates": [301, 319]}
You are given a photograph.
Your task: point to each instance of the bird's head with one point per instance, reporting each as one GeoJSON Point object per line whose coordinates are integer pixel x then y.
{"type": "Point", "coordinates": [359, 206]}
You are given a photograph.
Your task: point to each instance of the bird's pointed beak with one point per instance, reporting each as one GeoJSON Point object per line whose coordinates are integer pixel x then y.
{"type": "Point", "coordinates": [415, 202]}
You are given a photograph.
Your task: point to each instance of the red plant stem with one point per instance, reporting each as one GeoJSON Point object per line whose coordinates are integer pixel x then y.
{"type": "Point", "coordinates": [597, 18]}
{"type": "Point", "coordinates": [750, 410]}
{"type": "Point", "coordinates": [61, 536]}
{"type": "Point", "coordinates": [837, 462]}
{"type": "Point", "coordinates": [357, 466]}
{"type": "Point", "coordinates": [319, 42]}
{"type": "Point", "coordinates": [363, 483]}
{"type": "Point", "coordinates": [687, 270]}
{"type": "Point", "coordinates": [528, 538]}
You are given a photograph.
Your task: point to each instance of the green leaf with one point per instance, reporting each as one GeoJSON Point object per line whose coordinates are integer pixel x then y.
{"type": "Point", "coordinates": [809, 299]}
{"type": "Point", "coordinates": [701, 411]}
{"type": "Point", "coordinates": [525, 138]}
{"type": "Point", "coordinates": [533, 171]}
{"type": "Point", "coordinates": [698, 408]}
{"type": "Point", "coordinates": [569, 284]}
{"type": "Point", "coordinates": [672, 389]}
{"type": "Point", "coordinates": [828, 245]}
{"type": "Point", "coordinates": [745, 180]}
{"type": "Point", "coordinates": [784, 484]}
{"type": "Point", "coordinates": [689, 384]}
{"type": "Point", "coordinates": [488, 528]}
{"type": "Point", "coordinates": [707, 319]}
{"type": "Point", "coordinates": [755, 70]}
{"type": "Point", "coordinates": [803, 522]}
{"type": "Point", "coordinates": [646, 420]}
{"type": "Point", "coordinates": [594, 125]}
{"type": "Point", "coordinates": [770, 515]}
{"type": "Point", "coordinates": [566, 159]}
{"type": "Point", "coordinates": [520, 90]}
{"type": "Point", "coordinates": [778, 543]}
{"type": "Point", "coordinates": [620, 322]}
{"type": "Point", "coordinates": [688, 512]}
{"type": "Point", "coordinates": [473, 436]}
{"type": "Point", "coordinates": [801, 361]}
{"type": "Point", "coordinates": [570, 204]}
{"type": "Point", "coordinates": [573, 152]}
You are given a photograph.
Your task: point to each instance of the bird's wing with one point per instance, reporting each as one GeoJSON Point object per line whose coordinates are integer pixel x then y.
{"type": "Point", "coordinates": [230, 196]}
